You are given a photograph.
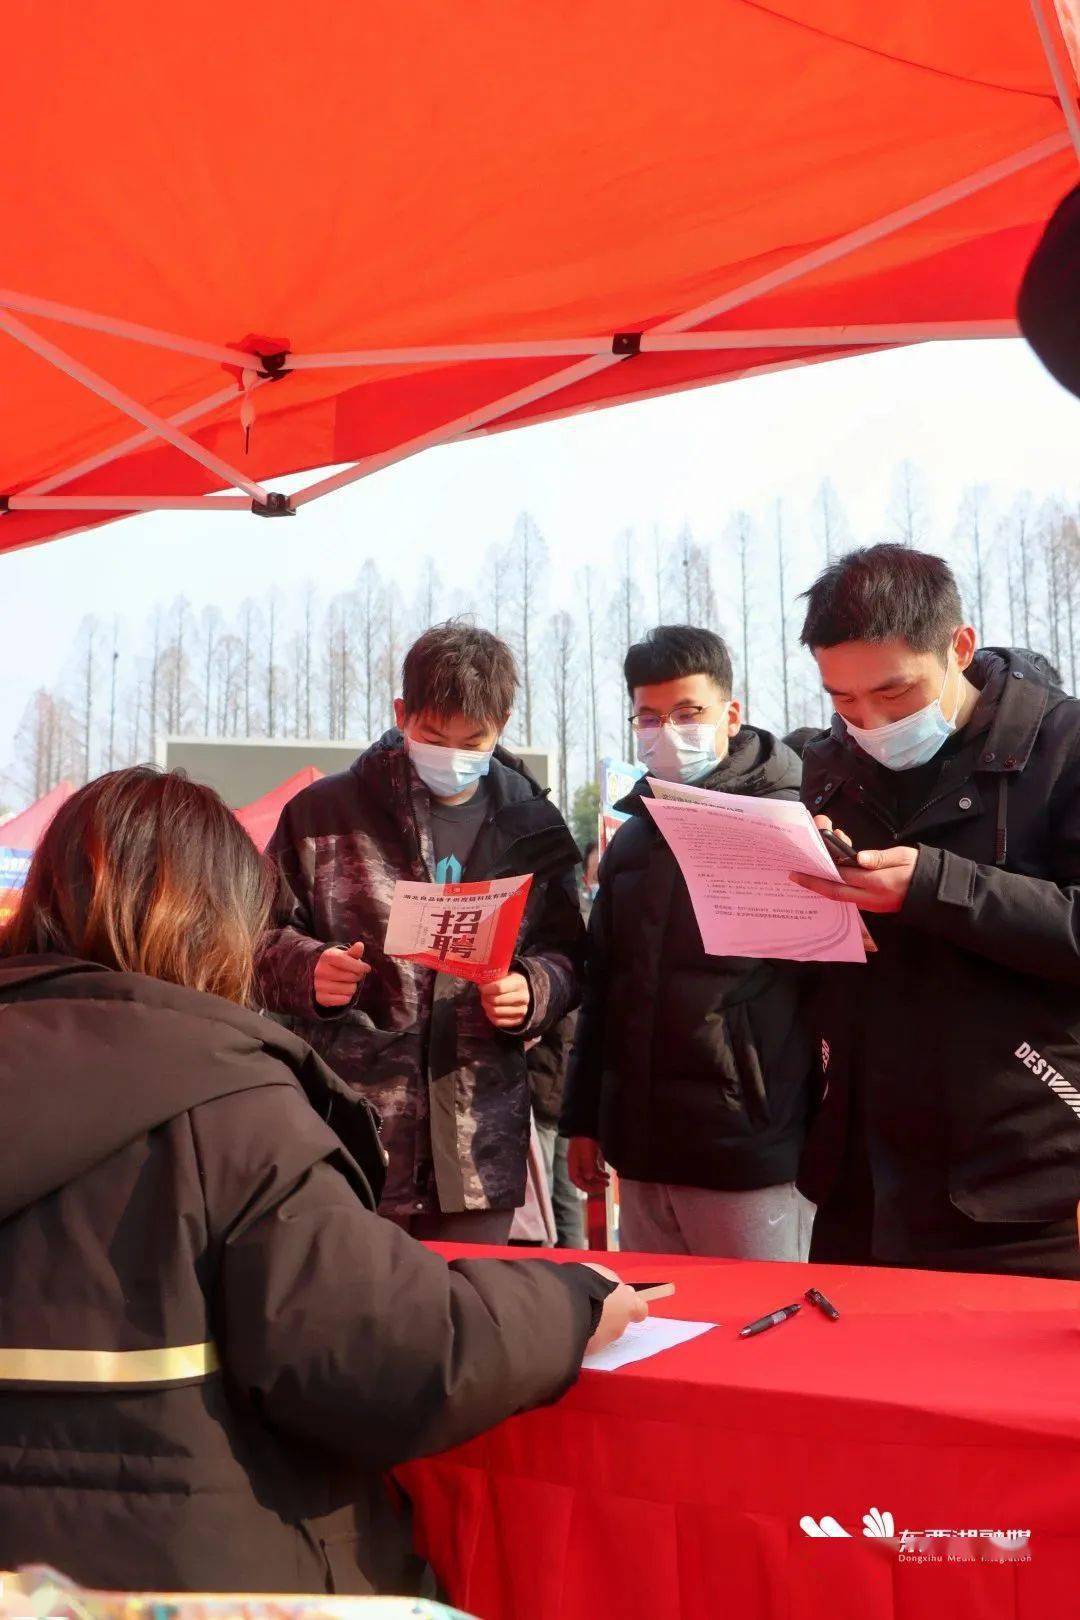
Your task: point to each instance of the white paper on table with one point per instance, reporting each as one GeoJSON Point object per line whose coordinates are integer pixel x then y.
{"type": "Point", "coordinates": [736, 854]}
{"type": "Point", "coordinates": [644, 1339]}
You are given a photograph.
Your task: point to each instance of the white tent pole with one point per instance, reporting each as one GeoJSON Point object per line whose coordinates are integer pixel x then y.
{"type": "Point", "coordinates": [137, 441]}
{"type": "Point", "coordinates": [128, 503]}
{"type": "Point", "coordinates": [460, 426]}
{"type": "Point", "coordinates": [817, 337]}
{"type": "Point", "coordinates": [114, 396]}
{"type": "Point", "coordinates": [782, 337]}
{"type": "Point", "coordinates": [1054, 50]}
{"type": "Point", "coordinates": [69, 315]}
{"type": "Point", "coordinates": [851, 241]}
{"type": "Point", "coordinates": [803, 264]}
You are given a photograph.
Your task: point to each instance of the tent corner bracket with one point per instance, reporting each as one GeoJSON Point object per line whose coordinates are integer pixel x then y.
{"type": "Point", "coordinates": [626, 343]}
{"type": "Point", "coordinates": [275, 505]}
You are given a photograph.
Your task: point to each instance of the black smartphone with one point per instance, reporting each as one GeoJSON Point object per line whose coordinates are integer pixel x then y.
{"type": "Point", "coordinates": [842, 853]}
{"type": "Point", "coordinates": [653, 1290]}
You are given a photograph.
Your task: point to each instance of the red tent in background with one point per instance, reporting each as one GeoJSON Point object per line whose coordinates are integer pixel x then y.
{"type": "Point", "coordinates": [260, 817]}
{"type": "Point", "coordinates": [18, 840]}
{"type": "Point", "coordinates": [355, 231]}
{"type": "Point", "coordinates": [24, 830]}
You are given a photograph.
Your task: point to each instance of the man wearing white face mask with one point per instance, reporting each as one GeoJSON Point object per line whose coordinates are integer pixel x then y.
{"type": "Point", "coordinates": [691, 1073]}
{"type": "Point", "coordinates": [948, 1135]}
{"type": "Point", "coordinates": [442, 1061]}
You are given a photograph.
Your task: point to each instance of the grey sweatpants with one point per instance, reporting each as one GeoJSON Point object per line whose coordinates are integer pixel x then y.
{"type": "Point", "coordinates": [767, 1223]}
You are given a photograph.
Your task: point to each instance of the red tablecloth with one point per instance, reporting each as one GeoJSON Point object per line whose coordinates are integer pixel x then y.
{"type": "Point", "coordinates": [675, 1487]}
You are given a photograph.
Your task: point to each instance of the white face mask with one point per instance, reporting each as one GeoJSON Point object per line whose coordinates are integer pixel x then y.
{"type": "Point", "coordinates": [679, 754]}
{"type": "Point", "coordinates": [446, 772]}
{"type": "Point", "coordinates": [914, 740]}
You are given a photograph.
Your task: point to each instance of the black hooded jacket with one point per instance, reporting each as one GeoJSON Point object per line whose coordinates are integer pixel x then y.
{"type": "Point", "coordinates": [954, 1054]}
{"type": "Point", "coordinates": [689, 1069]}
{"type": "Point", "coordinates": [211, 1348]}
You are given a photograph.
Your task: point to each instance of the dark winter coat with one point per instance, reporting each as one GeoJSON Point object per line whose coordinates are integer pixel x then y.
{"type": "Point", "coordinates": [955, 1051]}
{"type": "Point", "coordinates": [211, 1348]}
{"type": "Point", "coordinates": [688, 1068]}
{"type": "Point", "coordinates": [451, 1090]}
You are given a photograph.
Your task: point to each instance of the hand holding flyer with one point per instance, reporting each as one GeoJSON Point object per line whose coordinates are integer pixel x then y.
{"type": "Point", "coordinates": [468, 930]}
{"type": "Point", "coordinates": [737, 854]}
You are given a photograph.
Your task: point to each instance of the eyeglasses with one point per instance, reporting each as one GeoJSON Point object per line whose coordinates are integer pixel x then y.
{"type": "Point", "coordinates": [683, 718]}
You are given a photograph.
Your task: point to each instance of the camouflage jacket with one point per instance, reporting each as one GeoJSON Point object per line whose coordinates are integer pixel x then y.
{"type": "Point", "coordinates": [451, 1090]}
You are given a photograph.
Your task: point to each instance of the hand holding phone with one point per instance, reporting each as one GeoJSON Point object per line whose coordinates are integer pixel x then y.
{"type": "Point", "coordinates": [842, 853]}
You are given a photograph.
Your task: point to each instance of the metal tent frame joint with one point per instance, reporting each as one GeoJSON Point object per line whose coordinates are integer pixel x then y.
{"type": "Point", "coordinates": [275, 505]}
{"type": "Point", "coordinates": [626, 343]}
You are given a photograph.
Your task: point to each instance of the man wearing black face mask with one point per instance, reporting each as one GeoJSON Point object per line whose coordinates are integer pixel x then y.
{"type": "Point", "coordinates": [948, 1135]}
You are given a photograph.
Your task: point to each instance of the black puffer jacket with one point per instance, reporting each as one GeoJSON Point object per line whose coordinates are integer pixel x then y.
{"type": "Point", "coordinates": [688, 1068]}
{"type": "Point", "coordinates": [211, 1348]}
{"type": "Point", "coordinates": [955, 1051]}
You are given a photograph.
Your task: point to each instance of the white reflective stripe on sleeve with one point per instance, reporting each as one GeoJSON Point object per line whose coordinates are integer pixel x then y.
{"type": "Point", "coordinates": [108, 1366]}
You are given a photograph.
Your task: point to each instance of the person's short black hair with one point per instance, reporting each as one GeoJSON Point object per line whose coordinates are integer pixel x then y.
{"type": "Point", "coordinates": [456, 668]}
{"type": "Point", "coordinates": [673, 651]}
{"type": "Point", "coordinates": [884, 593]}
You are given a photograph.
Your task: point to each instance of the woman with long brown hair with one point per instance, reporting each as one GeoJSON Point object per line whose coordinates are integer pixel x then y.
{"type": "Point", "coordinates": [211, 1347]}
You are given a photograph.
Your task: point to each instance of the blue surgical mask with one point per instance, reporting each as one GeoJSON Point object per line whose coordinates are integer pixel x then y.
{"type": "Point", "coordinates": [679, 754]}
{"type": "Point", "coordinates": [446, 772]}
{"type": "Point", "coordinates": [914, 740]}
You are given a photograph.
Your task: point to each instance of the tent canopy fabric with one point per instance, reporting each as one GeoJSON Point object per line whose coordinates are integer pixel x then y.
{"type": "Point", "coordinates": [260, 817]}
{"type": "Point", "coordinates": [232, 253]}
{"type": "Point", "coordinates": [24, 830]}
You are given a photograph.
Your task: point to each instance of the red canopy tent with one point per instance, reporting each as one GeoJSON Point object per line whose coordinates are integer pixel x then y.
{"type": "Point", "coordinates": [18, 840]}
{"type": "Point", "coordinates": [24, 830]}
{"type": "Point", "coordinates": [260, 817]}
{"type": "Point", "coordinates": [281, 240]}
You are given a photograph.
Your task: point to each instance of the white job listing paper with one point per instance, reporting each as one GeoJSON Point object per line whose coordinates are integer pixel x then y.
{"type": "Point", "coordinates": [644, 1339]}
{"type": "Point", "coordinates": [736, 855]}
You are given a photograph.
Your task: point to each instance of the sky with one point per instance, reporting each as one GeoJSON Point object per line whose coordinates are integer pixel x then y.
{"type": "Point", "coordinates": [970, 413]}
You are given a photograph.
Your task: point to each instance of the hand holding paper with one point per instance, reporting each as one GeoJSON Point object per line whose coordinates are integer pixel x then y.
{"type": "Point", "coordinates": [737, 855]}
{"type": "Point", "coordinates": [468, 930]}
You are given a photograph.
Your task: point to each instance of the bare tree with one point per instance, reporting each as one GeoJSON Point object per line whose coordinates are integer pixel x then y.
{"type": "Point", "coordinates": [155, 673]}
{"type": "Point", "coordinates": [626, 617]}
{"type": "Point", "coordinates": [211, 620]}
{"type": "Point", "coordinates": [782, 581]}
{"type": "Point", "coordinates": [429, 595]}
{"type": "Point", "coordinates": [831, 520]}
{"type": "Point", "coordinates": [742, 531]}
{"type": "Point", "coordinates": [908, 509]}
{"type": "Point", "coordinates": [247, 637]}
{"type": "Point", "coordinates": [971, 528]}
{"type": "Point", "coordinates": [562, 662]}
{"type": "Point", "coordinates": [309, 628]}
{"type": "Point", "coordinates": [392, 622]}
{"type": "Point", "coordinates": [112, 691]}
{"type": "Point", "coordinates": [592, 759]}
{"type": "Point", "coordinates": [1050, 539]}
{"type": "Point", "coordinates": [369, 609]}
{"type": "Point", "coordinates": [272, 672]}
{"type": "Point", "coordinates": [658, 568]}
{"type": "Point", "coordinates": [88, 637]}
{"type": "Point", "coordinates": [528, 556]}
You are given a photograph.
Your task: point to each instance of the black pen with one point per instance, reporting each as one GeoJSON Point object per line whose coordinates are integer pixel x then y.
{"type": "Point", "coordinates": [827, 1308]}
{"type": "Point", "coordinates": [768, 1321]}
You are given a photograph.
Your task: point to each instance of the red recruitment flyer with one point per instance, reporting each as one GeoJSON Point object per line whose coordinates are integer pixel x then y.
{"type": "Point", "coordinates": [468, 930]}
